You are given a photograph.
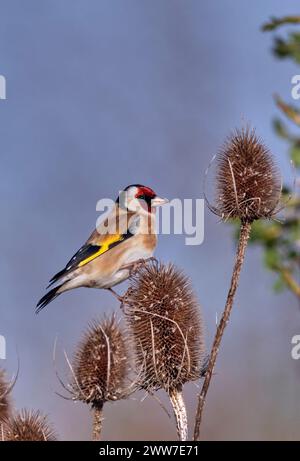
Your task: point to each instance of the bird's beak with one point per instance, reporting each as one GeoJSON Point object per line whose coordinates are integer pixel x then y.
{"type": "Point", "coordinates": [158, 201]}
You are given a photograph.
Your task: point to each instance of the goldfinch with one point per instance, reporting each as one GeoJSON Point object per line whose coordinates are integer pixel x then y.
{"type": "Point", "coordinates": [124, 238]}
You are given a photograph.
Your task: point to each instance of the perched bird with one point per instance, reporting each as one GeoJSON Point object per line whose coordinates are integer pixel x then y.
{"type": "Point", "coordinates": [123, 240]}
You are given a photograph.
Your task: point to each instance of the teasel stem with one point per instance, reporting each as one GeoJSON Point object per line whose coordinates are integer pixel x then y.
{"type": "Point", "coordinates": [98, 419]}
{"type": "Point", "coordinates": [179, 409]}
{"type": "Point", "coordinates": [239, 259]}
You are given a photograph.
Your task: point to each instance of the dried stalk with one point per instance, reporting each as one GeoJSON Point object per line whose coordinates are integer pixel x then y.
{"type": "Point", "coordinates": [179, 409]}
{"type": "Point", "coordinates": [242, 244]}
{"type": "Point", "coordinates": [97, 423]}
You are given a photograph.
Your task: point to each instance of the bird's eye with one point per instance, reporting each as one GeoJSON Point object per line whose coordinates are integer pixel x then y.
{"type": "Point", "coordinates": [142, 197]}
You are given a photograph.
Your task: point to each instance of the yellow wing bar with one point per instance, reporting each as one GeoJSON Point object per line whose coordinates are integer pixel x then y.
{"type": "Point", "coordinates": [111, 241]}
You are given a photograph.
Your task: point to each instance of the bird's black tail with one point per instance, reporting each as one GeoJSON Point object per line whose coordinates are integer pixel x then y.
{"type": "Point", "coordinates": [52, 294]}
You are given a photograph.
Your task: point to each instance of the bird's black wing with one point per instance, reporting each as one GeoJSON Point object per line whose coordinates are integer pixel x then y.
{"type": "Point", "coordinates": [89, 251]}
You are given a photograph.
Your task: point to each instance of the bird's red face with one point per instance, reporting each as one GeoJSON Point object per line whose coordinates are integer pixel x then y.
{"type": "Point", "coordinates": [145, 193]}
{"type": "Point", "coordinates": [139, 196]}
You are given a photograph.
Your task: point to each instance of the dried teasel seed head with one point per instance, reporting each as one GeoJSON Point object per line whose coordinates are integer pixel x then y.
{"type": "Point", "coordinates": [248, 182]}
{"type": "Point", "coordinates": [27, 426]}
{"type": "Point", "coordinates": [4, 397]}
{"type": "Point", "coordinates": [100, 364]}
{"type": "Point", "coordinates": [165, 327]}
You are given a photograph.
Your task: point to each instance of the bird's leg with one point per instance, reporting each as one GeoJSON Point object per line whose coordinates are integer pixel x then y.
{"type": "Point", "coordinates": [134, 266]}
{"type": "Point", "coordinates": [119, 298]}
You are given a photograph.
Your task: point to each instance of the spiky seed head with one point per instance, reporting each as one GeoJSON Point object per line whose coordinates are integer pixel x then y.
{"type": "Point", "coordinates": [101, 363]}
{"type": "Point", "coordinates": [248, 182]}
{"type": "Point", "coordinates": [4, 397]}
{"type": "Point", "coordinates": [165, 327]}
{"type": "Point", "coordinates": [27, 426]}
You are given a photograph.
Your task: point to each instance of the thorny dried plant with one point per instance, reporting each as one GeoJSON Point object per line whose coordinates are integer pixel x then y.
{"type": "Point", "coordinates": [100, 368]}
{"type": "Point", "coordinates": [5, 405]}
{"type": "Point", "coordinates": [248, 187]}
{"type": "Point", "coordinates": [248, 184]}
{"type": "Point", "coordinates": [166, 331]}
{"type": "Point", "coordinates": [27, 426]}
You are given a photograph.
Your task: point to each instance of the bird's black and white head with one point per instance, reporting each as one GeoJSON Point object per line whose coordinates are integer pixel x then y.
{"type": "Point", "coordinates": [138, 198]}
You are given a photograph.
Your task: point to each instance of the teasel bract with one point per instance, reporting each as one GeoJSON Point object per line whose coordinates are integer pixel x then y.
{"type": "Point", "coordinates": [100, 368]}
{"type": "Point", "coordinates": [27, 426]}
{"type": "Point", "coordinates": [5, 405]}
{"type": "Point", "coordinates": [248, 187]}
{"type": "Point", "coordinates": [166, 331]}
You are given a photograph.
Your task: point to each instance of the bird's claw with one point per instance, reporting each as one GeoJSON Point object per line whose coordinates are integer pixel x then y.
{"type": "Point", "coordinates": [136, 265]}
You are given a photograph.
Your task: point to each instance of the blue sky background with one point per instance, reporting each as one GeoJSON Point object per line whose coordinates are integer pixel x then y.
{"type": "Point", "coordinates": [102, 94]}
